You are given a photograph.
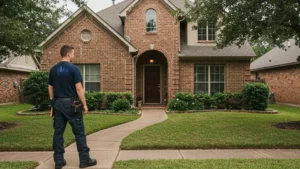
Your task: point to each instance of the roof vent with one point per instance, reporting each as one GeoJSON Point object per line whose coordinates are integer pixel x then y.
{"type": "Point", "coordinates": [298, 59]}
{"type": "Point", "coordinates": [113, 2]}
{"type": "Point", "coordinates": [289, 44]}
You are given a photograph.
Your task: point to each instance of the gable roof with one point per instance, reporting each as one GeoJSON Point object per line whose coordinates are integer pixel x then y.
{"type": "Point", "coordinates": [111, 14]}
{"type": "Point", "coordinates": [278, 57]}
{"type": "Point", "coordinates": [106, 25]}
{"type": "Point", "coordinates": [18, 63]}
{"type": "Point", "coordinates": [123, 13]}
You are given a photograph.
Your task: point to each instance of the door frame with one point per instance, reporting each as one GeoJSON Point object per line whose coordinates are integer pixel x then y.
{"type": "Point", "coordinates": [161, 82]}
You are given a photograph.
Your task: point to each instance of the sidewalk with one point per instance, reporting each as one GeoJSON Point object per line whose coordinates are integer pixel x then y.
{"type": "Point", "coordinates": [105, 145]}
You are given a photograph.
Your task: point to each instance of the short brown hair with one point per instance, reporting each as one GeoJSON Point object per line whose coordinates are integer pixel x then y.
{"type": "Point", "coordinates": [65, 50]}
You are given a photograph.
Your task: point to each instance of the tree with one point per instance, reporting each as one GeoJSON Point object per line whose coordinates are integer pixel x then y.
{"type": "Point", "coordinates": [26, 23]}
{"type": "Point", "coordinates": [240, 20]}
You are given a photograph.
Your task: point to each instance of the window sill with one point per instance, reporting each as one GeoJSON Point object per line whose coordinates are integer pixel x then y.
{"type": "Point", "coordinates": [151, 33]}
{"type": "Point", "coordinates": [207, 41]}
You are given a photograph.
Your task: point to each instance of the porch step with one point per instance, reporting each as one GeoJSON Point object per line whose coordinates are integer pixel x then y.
{"type": "Point", "coordinates": [154, 108]}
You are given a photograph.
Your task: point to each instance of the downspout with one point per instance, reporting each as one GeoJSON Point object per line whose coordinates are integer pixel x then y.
{"type": "Point", "coordinates": [133, 82]}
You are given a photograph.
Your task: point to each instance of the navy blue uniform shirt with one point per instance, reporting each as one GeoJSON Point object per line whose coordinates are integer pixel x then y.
{"type": "Point", "coordinates": [63, 77]}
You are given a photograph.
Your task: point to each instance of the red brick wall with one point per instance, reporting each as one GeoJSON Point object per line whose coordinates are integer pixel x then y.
{"type": "Point", "coordinates": [165, 40]}
{"type": "Point", "coordinates": [284, 82]}
{"type": "Point", "coordinates": [8, 93]}
{"type": "Point", "coordinates": [236, 74]}
{"type": "Point", "coordinates": [104, 49]}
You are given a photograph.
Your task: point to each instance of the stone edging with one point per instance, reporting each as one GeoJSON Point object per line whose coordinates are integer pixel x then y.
{"type": "Point", "coordinates": [226, 110]}
{"type": "Point", "coordinates": [21, 113]}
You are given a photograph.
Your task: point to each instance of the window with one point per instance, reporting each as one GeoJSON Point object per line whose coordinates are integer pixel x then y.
{"type": "Point", "coordinates": [151, 20]}
{"type": "Point", "coordinates": [206, 31]}
{"type": "Point", "coordinates": [257, 75]}
{"type": "Point", "coordinates": [91, 77]}
{"type": "Point", "coordinates": [209, 79]}
{"type": "Point", "coordinates": [86, 35]}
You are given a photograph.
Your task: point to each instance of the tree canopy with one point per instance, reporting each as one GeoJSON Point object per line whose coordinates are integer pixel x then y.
{"type": "Point", "coordinates": [26, 23]}
{"type": "Point", "coordinates": [240, 20]}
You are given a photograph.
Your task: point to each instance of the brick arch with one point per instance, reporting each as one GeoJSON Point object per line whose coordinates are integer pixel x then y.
{"type": "Point", "coordinates": [159, 50]}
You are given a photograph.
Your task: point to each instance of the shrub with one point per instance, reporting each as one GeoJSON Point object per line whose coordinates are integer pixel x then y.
{"type": "Point", "coordinates": [186, 97]}
{"type": "Point", "coordinates": [219, 100]}
{"type": "Point", "coordinates": [113, 96]}
{"type": "Point", "coordinates": [256, 96]}
{"type": "Point", "coordinates": [94, 100]}
{"type": "Point", "coordinates": [196, 105]}
{"type": "Point", "coordinates": [206, 99]}
{"type": "Point", "coordinates": [234, 100]}
{"type": "Point", "coordinates": [176, 104]}
{"type": "Point", "coordinates": [121, 105]}
{"type": "Point", "coordinates": [36, 88]}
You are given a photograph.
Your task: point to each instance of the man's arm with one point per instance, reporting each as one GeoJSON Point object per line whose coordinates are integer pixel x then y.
{"type": "Point", "coordinates": [50, 91]}
{"type": "Point", "coordinates": [80, 93]}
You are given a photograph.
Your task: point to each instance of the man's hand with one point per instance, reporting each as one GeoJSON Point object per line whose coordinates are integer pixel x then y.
{"type": "Point", "coordinates": [85, 110]}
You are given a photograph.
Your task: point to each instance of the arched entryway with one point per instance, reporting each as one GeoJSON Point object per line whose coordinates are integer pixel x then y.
{"type": "Point", "coordinates": [152, 78]}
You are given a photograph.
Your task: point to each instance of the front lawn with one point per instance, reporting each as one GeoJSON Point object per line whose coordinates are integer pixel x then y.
{"type": "Point", "coordinates": [18, 165]}
{"type": "Point", "coordinates": [224, 130]}
{"type": "Point", "coordinates": [210, 164]}
{"type": "Point", "coordinates": [34, 133]}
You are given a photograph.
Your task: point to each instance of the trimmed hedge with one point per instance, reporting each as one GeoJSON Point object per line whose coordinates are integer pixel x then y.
{"type": "Point", "coordinates": [113, 96]}
{"type": "Point", "coordinates": [121, 105]}
{"type": "Point", "coordinates": [253, 97]}
{"type": "Point", "coordinates": [256, 96]}
{"type": "Point", "coordinates": [94, 100]}
{"type": "Point", "coordinates": [36, 88]}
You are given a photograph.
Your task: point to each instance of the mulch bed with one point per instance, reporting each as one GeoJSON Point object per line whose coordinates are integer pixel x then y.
{"type": "Point", "coordinates": [5, 125]}
{"type": "Point", "coordinates": [292, 125]}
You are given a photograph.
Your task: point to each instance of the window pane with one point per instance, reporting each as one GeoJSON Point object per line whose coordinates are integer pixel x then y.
{"type": "Point", "coordinates": [202, 31]}
{"type": "Point", "coordinates": [92, 86]}
{"type": "Point", "coordinates": [211, 32]}
{"type": "Point", "coordinates": [92, 73]}
{"type": "Point", "coordinates": [80, 68]}
{"type": "Point", "coordinates": [151, 20]}
{"type": "Point", "coordinates": [216, 87]}
{"type": "Point", "coordinates": [201, 87]}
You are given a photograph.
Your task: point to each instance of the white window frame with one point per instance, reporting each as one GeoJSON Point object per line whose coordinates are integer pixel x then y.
{"type": "Point", "coordinates": [151, 9]}
{"type": "Point", "coordinates": [209, 78]}
{"type": "Point", "coordinates": [83, 76]}
{"type": "Point", "coordinates": [207, 34]}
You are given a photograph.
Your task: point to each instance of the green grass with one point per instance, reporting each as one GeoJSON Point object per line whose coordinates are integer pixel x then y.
{"type": "Point", "coordinates": [34, 133]}
{"type": "Point", "coordinates": [18, 165]}
{"type": "Point", "coordinates": [222, 130]}
{"type": "Point", "coordinates": [210, 164]}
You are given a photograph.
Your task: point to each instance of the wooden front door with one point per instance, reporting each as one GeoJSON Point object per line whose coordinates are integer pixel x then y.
{"type": "Point", "coordinates": [152, 84]}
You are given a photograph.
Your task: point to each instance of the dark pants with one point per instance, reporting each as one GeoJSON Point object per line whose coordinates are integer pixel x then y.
{"type": "Point", "coordinates": [63, 114]}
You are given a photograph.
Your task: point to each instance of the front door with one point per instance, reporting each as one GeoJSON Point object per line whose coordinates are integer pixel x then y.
{"type": "Point", "coordinates": [152, 84]}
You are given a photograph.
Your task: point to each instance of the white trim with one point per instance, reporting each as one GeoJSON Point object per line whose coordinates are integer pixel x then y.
{"type": "Point", "coordinates": [123, 13]}
{"type": "Point", "coordinates": [161, 83]}
{"type": "Point", "coordinates": [84, 7]}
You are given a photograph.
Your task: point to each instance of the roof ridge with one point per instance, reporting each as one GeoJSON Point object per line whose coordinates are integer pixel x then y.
{"type": "Point", "coordinates": [112, 6]}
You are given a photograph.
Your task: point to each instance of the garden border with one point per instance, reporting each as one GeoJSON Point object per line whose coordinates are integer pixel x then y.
{"type": "Point", "coordinates": [225, 110]}
{"type": "Point", "coordinates": [21, 113]}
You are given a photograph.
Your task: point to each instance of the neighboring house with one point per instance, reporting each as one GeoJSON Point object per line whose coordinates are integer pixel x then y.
{"type": "Point", "coordinates": [137, 46]}
{"type": "Point", "coordinates": [13, 70]}
{"type": "Point", "coordinates": [280, 68]}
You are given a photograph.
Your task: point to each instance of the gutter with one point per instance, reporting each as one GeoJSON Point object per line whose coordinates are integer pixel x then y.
{"type": "Point", "coordinates": [275, 66]}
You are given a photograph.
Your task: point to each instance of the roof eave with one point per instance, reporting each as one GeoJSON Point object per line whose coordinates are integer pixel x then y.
{"type": "Point", "coordinates": [184, 57]}
{"type": "Point", "coordinates": [276, 66]}
{"type": "Point", "coordinates": [131, 49]}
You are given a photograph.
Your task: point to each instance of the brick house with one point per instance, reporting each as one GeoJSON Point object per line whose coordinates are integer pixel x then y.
{"type": "Point", "coordinates": [280, 69]}
{"type": "Point", "coordinates": [13, 70]}
{"type": "Point", "coordinates": [139, 47]}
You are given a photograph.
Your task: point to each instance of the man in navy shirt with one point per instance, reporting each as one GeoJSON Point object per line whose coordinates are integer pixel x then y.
{"type": "Point", "coordinates": [65, 84]}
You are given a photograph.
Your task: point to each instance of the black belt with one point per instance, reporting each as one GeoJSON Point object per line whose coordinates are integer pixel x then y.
{"type": "Point", "coordinates": [65, 98]}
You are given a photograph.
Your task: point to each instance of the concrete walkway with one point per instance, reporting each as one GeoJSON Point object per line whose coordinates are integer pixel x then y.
{"type": "Point", "coordinates": [105, 145]}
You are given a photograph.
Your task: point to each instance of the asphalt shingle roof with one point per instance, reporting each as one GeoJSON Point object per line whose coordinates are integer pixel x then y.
{"type": "Point", "coordinates": [278, 57]}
